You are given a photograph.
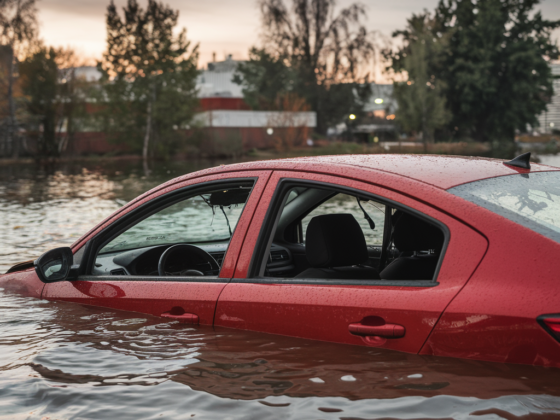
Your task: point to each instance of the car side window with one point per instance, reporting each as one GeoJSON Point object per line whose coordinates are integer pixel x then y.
{"type": "Point", "coordinates": [331, 233]}
{"type": "Point", "coordinates": [199, 226]}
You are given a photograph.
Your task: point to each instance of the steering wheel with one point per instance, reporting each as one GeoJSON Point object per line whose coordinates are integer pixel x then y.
{"type": "Point", "coordinates": [186, 250]}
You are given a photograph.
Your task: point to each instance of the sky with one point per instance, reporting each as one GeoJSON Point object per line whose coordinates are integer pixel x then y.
{"type": "Point", "coordinates": [219, 26]}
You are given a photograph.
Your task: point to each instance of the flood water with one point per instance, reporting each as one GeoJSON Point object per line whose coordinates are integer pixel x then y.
{"type": "Point", "coordinates": [68, 361]}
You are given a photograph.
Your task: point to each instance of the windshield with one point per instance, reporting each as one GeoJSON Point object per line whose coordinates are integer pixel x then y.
{"type": "Point", "coordinates": [532, 200]}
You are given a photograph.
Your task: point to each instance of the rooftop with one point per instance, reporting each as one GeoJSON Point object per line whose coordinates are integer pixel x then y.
{"type": "Point", "coordinates": [438, 171]}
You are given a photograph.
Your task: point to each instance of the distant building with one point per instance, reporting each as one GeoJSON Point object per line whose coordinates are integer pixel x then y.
{"type": "Point", "coordinates": [87, 73]}
{"type": "Point", "coordinates": [378, 122]}
{"type": "Point", "coordinates": [228, 123]}
{"type": "Point", "coordinates": [216, 80]}
{"type": "Point", "coordinates": [226, 117]}
{"type": "Point", "coordinates": [550, 119]}
{"type": "Point", "coordinates": [381, 103]}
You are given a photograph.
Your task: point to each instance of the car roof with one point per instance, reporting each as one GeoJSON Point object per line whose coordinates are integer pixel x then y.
{"type": "Point", "coordinates": [439, 171]}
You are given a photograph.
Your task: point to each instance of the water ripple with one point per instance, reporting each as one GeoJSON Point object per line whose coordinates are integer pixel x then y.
{"type": "Point", "coordinates": [64, 360]}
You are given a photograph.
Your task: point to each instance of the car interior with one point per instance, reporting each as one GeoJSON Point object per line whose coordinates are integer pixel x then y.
{"type": "Point", "coordinates": [318, 233]}
{"type": "Point", "coordinates": [330, 234]}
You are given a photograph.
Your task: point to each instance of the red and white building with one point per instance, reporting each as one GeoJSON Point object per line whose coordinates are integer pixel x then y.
{"type": "Point", "coordinates": [224, 114]}
{"type": "Point", "coordinates": [228, 123]}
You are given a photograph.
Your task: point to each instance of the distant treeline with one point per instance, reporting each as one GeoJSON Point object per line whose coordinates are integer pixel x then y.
{"type": "Point", "coordinates": [468, 70]}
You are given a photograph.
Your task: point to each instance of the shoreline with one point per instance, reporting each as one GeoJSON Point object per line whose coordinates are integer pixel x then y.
{"type": "Point", "coordinates": [327, 148]}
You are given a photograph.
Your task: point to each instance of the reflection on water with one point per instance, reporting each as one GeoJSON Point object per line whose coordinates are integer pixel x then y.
{"type": "Point", "coordinates": [64, 360]}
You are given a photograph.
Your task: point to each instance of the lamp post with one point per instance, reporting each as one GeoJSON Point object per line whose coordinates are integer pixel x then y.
{"type": "Point", "coordinates": [352, 118]}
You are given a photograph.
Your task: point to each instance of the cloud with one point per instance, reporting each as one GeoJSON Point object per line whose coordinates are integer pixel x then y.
{"type": "Point", "coordinates": [221, 26]}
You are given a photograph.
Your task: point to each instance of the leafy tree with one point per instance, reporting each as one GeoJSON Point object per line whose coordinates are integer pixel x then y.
{"type": "Point", "coordinates": [496, 69]}
{"type": "Point", "coordinates": [73, 94]}
{"type": "Point", "coordinates": [264, 78]}
{"type": "Point", "coordinates": [421, 100]}
{"type": "Point", "coordinates": [54, 100]}
{"type": "Point", "coordinates": [317, 54]}
{"type": "Point", "coordinates": [149, 75]}
{"type": "Point", "coordinates": [18, 32]}
{"type": "Point", "coordinates": [39, 77]}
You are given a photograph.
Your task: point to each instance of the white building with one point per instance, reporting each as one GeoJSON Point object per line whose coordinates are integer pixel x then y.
{"type": "Point", "coordinates": [550, 119]}
{"type": "Point", "coordinates": [216, 80]}
{"type": "Point", "coordinates": [255, 119]}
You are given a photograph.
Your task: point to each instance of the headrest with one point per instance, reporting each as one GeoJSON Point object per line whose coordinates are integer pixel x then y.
{"type": "Point", "coordinates": [414, 234]}
{"type": "Point", "coordinates": [335, 240]}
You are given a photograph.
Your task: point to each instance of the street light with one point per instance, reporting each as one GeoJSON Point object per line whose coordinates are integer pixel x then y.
{"type": "Point", "coordinates": [352, 116]}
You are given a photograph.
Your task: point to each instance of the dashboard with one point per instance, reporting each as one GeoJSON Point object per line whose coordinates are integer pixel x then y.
{"type": "Point", "coordinates": [144, 261]}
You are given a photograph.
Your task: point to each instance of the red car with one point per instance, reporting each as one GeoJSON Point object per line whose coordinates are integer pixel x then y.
{"type": "Point", "coordinates": [447, 256]}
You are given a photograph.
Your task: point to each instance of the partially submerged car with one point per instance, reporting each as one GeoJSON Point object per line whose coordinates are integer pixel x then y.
{"type": "Point", "coordinates": [434, 255]}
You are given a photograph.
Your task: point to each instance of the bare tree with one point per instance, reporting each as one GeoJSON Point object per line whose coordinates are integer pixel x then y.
{"type": "Point", "coordinates": [292, 129]}
{"type": "Point", "coordinates": [72, 92]}
{"type": "Point", "coordinates": [323, 47]}
{"type": "Point", "coordinates": [18, 31]}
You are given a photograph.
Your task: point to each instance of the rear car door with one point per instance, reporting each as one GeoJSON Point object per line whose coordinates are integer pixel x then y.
{"type": "Point", "coordinates": [120, 261]}
{"type": "Point", "coordinates": [395, 313]}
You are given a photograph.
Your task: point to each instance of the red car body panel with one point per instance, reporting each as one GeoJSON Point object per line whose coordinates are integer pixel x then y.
{"type": "Point", "coordinates": [324, 312]}
{"type": "Point", "coordinates": [154, 298]}
{"type": "Point", "coordinates": [442, 172]}
{"type": "Point", "coordinates": [25, 283]}
{"type": "Point", "coordinates": [496, 279]}
{"type": "Point", "coordinates": [494, 316]}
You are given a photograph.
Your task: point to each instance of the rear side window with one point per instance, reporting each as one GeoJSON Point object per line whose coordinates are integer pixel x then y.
{"type": "Point", "coordinates": [346, 235]}
{"type": "Point", "coordinates": [532, 200]}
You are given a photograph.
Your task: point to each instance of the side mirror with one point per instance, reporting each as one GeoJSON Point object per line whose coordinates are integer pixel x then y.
{"type": "Point", "coordinates": [54, 265]}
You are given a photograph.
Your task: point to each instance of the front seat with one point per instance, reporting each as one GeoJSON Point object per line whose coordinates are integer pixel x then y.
{"type": "Point", "coordinates": [334, 246]}
{"type": "Point", "coordinates": [411, 235]}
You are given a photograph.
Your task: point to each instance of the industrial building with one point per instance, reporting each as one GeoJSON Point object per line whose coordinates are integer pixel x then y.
{"type": "Point", "coordinates": [226, 117]}
{"type": "Point", "coordinates": [227, 122]}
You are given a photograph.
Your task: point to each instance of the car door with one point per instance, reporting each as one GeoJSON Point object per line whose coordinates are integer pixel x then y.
{"type": "Point", "coordinates": [188, 298]}
{"type": "Point", "coordinates": [346, 311]}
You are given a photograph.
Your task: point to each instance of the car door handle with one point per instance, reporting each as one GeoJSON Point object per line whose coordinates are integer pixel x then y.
{"type": "Point", "coordinates": [184, 318]}
{"type": "Point", "coordinates": [386, 330]}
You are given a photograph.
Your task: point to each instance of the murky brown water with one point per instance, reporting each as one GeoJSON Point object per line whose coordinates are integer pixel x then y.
{"type": "Point", "coordinates": [63, 360]}
{"type": "Point", "coordinates": [68, 361]}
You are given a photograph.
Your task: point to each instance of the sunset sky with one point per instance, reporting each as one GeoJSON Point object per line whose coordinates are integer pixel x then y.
{"type": "Point", "coordinates": [221, 26]}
